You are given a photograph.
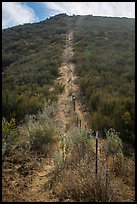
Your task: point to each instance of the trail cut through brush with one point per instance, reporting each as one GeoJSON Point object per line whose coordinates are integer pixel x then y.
{"type": "Point", "coordinates": [38, 189]}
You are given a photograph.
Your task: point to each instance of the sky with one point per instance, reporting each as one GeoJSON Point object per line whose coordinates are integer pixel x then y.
{"type": "Point", "coordinates": [18, 13]}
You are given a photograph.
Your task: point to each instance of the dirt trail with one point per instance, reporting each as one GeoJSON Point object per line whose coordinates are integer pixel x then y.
{"type": "Point", "coordinates": [38, 189]}
{"type": "Point", "coordinates": [69, 79]}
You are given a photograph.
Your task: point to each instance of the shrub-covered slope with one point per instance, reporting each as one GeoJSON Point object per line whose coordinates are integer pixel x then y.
{"type": "Point", "coordinates": [104, 49]}
{"type": "Point", "coordinates": [31, 56]}
{"type": "Point", "coordinates": [105, 62]}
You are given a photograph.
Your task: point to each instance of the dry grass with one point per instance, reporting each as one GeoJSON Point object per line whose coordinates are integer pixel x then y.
{"type": "Point", "coordinates": [80, 184]}
{"type": "Point", "coordinates": [75, 177]}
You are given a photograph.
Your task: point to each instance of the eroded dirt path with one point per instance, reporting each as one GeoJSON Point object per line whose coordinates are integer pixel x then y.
{"type": "Point", "coordinates": [38, 190]}
{"type": "Point", "coordinates": [69, 79]}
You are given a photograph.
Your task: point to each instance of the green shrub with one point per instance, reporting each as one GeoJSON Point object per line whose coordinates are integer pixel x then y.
{"type": "Point", "coordinates": [9, 135]}
{"type": "Point", "coordinates": [75, 145]}
{"type": "Point", "coordinates": [100, 122]}
{"type": "Point", "coordinates": [115, 148]}
{"type": "Point", "coordinates": [114, 142]}
{"type": "Point", "coordinates": [40, 130]}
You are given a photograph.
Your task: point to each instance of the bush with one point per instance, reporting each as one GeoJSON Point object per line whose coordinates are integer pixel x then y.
{"type": "Point", "coordinates": [75, 145]}
{"type": "Point", "coordinates": [40, 130]}
{"type": "Point", "coordinates": [59, 88]}
{"type": "Point", "coordinates": [114, 142]}
{"type": "Point", "coordinates": [99, 121]}
{"type": "Point", "coordinates": [80, 184]}
{"type": "Point", "coordinates": [115, 148]}
{"type": "Point", "coordinates": [9, 135]}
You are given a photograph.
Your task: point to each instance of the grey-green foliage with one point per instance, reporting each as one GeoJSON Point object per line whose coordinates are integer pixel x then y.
{"type": "Point", "coordinates": [9, 135]}
{"type": "Point", "coordinates": [4, 145]}
{"type": "Point", "coordinates": [115, 148]}
{"type": "Point", "coordinates": [62, 140]}
{"type": "Point", "coordinates": [114, 142]}
{"type": "Point", "coordinates": [76, 143]}
{"type": "Point", "coordinates": [48, 113]}
{"type": "Point", "coordinates": [58, 159]}
{"type": "Point", "coordinates": [78, 135]}
{"type": "Point", "coordinates": [41, 128]}
{"type": "Point", "coordinates": [81, 141]}
{"type": "Point", "coordinates": [67, 145]}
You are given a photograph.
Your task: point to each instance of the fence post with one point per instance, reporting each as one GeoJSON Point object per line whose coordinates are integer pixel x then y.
{"type": "Point", "coordinates": [74, 109]}
{"type": "Point", "coordinates": [96, 153]}
{"type": "Point", "coordinates": [74, 102]}
{"type": "Point", "coordinates": [106, 163]}
{"type": "Point", "coordinates": [80, 123]}
{"type": "Point", "coordinates": [77, 120]}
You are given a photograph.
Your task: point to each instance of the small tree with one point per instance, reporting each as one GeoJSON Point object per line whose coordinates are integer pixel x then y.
{"type": "Point", "coordinates": [114, 142]}
{"type": "Point", "coordinates": [115, 148]}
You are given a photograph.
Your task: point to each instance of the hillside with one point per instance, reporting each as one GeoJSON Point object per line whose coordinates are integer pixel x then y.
{"type": "Point", "coordinates": [31, 56]}
{"type": "Point", "coordinates": [104, 57]}
{"type": "Point", "coordinates": [49, 150]}
{"type": "Point", "coordinates": [105, 62]}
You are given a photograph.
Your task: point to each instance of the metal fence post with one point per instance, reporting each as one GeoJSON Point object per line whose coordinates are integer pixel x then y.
{"type": "Point", "coordinates": [74, 102]}
{"type": "Point", "coordinates": [96, 153]}
{"type": "Point", "coordinates": [80, 123]}
{"type": "Point", "coordinates": [106, 163]}
{"type": "Point", "coordinates": [77, 120]}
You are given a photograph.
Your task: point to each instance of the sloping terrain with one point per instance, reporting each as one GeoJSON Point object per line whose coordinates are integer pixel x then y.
{"type": "Point", "coordinates": [31, 56]}
{"type": "Point", "coordinates": [105, 63]}
{"type": "Point", "coordinates": [54, 160]}
{"type": "Point", "coordinates": [70, 81]}
{"type": "Point", "coordinates": [36, 190]}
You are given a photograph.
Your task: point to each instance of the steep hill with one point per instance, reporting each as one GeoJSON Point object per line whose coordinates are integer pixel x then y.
{"type": "Point", "coordinates": [105, 63]}
{"type": "Point", "coordinates": [63, 79]}
{"type": "Point", "coordinates": [31, 56]}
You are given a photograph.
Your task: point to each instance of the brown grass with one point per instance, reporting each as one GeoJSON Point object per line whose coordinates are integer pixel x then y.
{"type": "Point", "coordinates": [81, 184]}
{"type": "Point", "coordinates": [76, 179]}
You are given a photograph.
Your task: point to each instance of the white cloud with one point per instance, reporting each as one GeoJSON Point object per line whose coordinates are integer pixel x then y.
{"type": "Point", "coordinates": [115, 9]}
{"type": "Point", "coordinates": [15, 13]}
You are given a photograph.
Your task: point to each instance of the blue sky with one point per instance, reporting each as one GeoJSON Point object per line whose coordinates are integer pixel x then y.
{"type": "Point", "coordinates": [41, 11]}
{"type": "Point", "coordinates": [18, 13]}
